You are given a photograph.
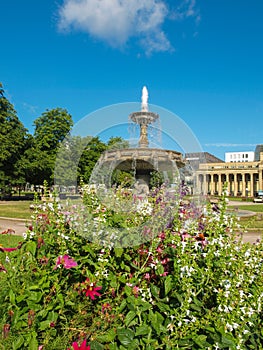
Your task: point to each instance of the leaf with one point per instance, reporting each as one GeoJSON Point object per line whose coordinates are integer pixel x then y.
{"type": "Point", "coordinates": [118, 252]}
{"type": "Point", "coordinates": [125, 336]}
{"type": "Point", "coordinates": [129, 317]}
{"type": "Point", "coordinates": [35, 296]}
{"type": "Point", "coordinates": [18, 342]}
{"type": "Point", "coordinates": [108, 336]}
{"type": "Point", "coordinates": [167, 284]}
{"type": "Point", "coordinates": [156, 320]}
{"type": "Point", "coordinates": [155, 291]}
{"type": "Point", "coordinates": [122, 306]}
{"type": "Point", "coordinates": [20, 298]}
{"type": "Point", "coordinates": [31, 247]}
{"type": "Point", "coordinates": [33, 343]}
{"type": "Point", "coordinates": [142, 330]}
{"type": "Point", "coordinates": [34, 287]}
{"type": "Point", "coordinates": [12, 297]}
{"type": "Point", "coordinates": [227, 341]}
{"type": "Point", "coordinates": [44, 325]}
{"type": "Point", "coordinates": [61, 300]}
{"type": "Point", "coordinates": [96, 345]}
{"type": "Point", "coordinates": [201, 341]}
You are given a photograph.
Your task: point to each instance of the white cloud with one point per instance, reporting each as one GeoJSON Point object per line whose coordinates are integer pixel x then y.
{"type": "Point", "coordinates": [31, 109]}
{"type": "Point", "coordinates": [218, 144]}
{"type": "Point", "coordinates": [116, 21]}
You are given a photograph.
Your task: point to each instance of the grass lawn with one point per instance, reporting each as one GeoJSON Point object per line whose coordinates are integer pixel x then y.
{"type": "Point", "coordinates": [15, 209]}
{"type": "Point", "coordinates": [257, 208]}
{"type": "Point", "coordinates": [10, 241]}
{"type": "Point", "coordinates": [254, 223]}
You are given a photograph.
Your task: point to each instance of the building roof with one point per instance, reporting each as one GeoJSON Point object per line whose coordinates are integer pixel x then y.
{"type": "Point", "coordinates": [202, 157]}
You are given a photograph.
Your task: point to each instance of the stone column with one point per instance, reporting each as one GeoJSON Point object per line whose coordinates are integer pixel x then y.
{"type": "Point", "coordinates": [228, 183]}
{"type": "Point", "coordinates": [243, 185]}
{"type": "Point", "coordinates": [219, 189]}
{"type": "Point", "coordinates": [252, 185]}
{"type": "Point", "coordinates": [212, 189]}
{"type": "Point", "coordinates": [205, 184]}
{"type": "Point", "coordinates": [260, 184]}
{"type": "Point", "coordinates": [198, 185]}
{"type": "Point", "coordinates": [235, 185]}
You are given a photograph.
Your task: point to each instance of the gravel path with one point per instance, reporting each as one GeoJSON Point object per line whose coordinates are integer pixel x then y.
{"type": "Point", "coordinates": [17, 225]}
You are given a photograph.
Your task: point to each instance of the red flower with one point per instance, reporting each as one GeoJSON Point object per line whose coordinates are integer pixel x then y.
{"type": "Point", "coordinates": [7, 249]}
{"type": "Point", "coordinates": [66, 261]}
{"type": "Point", "coordinates": [6, 330]}
{"type": "Point", "coordinates": [90, 289]}
{"type": "Point", "coordinates": [82, 346]}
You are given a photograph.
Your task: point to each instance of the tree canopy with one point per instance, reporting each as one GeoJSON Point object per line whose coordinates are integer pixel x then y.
{"type": "Point", "coordinates": [50, 151]}
{"type": "Point", "coordinates": [13, 142]}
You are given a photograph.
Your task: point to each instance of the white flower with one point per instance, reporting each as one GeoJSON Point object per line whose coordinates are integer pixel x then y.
{"type": "Point", "coordinates": [229, 327]}
{"type": "Point", "coordinates": [24, 235]}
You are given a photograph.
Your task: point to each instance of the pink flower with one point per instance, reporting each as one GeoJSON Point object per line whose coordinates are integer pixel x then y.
{"type": "Point", "coordinates": [159, 250]}
{"type": "Point", "coordinates": [135, 291]}
{"type": "Point", "coordinates": [147, 276]}
{"type": "Point", "coordinates": [82, 346]}
{"type": "Point", "coordinates": [164, 274]}
{"type": "Point", "coordinates": [66, 261]}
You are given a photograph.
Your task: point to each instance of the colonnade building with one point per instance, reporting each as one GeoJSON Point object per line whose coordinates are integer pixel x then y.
{"type": "Point", "coordinates": [243, 179]}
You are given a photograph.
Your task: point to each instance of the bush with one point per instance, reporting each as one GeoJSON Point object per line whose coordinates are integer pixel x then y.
{"type": "Point", "coordinates": [191, 285]}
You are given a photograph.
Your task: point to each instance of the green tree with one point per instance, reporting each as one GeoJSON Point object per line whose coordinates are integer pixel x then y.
{"type": "Point", "coordinates": [117, 142]}
{"type": "Point", "coordinates": [67, 168]}
{"type": "Point", "coordinates": [13, 142]}
{"type": "Point", "coordinates": [50, 130]}
{"type": "Point", "coordinates": [92, 152]}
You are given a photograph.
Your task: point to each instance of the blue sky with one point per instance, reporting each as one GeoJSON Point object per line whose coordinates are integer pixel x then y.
{"type": "Point", "coordinates": [200, 59]}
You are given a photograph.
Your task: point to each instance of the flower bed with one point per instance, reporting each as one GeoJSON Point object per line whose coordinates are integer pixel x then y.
{"type": "Point", "coordinates": [187, 284]}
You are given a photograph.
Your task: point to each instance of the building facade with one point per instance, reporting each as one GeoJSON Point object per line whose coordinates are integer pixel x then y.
{"type": "Point", "coordinates": [241, 178]}
{"type": "Point", "coordinates": [235, 157]}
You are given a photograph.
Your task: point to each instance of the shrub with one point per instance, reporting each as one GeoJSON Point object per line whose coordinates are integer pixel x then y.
{"type": "Point", "coordinates": [191, 285]}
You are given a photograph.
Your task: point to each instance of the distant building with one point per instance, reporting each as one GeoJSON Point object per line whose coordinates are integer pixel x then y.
{"type": "Point", "coordinates": [201, 157]}
{"type": "Point", "coordinates": [234, 157]}
{"type": "Point", "coordinates": [242, 178]}
{"type": "Point", "coordinates": [259, 153]}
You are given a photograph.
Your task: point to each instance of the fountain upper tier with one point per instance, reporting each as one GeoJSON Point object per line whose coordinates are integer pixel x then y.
{"type": "Point", "coordinates": [143, 119]}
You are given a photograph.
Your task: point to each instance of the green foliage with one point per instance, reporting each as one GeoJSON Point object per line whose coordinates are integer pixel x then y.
{"type": "Point", "coordinates": [122, 178]}
{"type": "Point", "coordinates": [13, 143]}
{"type": "Point", "coordinates": [191, 286]}
{"type": "Point", "coordinates": [89, 157]}
{"type": "Point", "coordinates": [50, 130]}
{"type": "Point", "coordinates": [156, 179]}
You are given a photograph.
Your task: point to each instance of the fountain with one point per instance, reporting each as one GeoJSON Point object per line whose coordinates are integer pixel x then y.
{"type": "Point", "coordinates": [142, 160]}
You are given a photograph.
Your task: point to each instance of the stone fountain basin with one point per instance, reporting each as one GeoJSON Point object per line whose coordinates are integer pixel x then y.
{"type": "Point", "coordinates": [145, 158]}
